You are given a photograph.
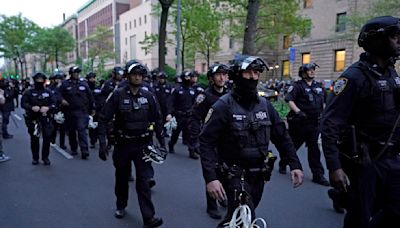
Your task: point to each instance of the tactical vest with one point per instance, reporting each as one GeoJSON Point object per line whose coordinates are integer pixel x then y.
{"type": "Point", "coordinates": [132, 116]}
{"type": "Point", "coordinates": [38, 98]}
{"type": "Point", "coordinates": [249, 131]}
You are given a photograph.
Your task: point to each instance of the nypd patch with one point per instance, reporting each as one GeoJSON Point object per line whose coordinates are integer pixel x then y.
{"type": "Point", "coordinates": [340, 85]}
{"type": "Point", "coordinates": [210, 112]}
{"type": "Point", "coordinates": [290, 89]}
{"type": "Point", "coordinates": [200, 98]}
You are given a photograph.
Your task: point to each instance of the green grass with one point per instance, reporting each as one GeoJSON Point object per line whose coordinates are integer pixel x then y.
{"type": "Point", "coordinates": [281, 107]}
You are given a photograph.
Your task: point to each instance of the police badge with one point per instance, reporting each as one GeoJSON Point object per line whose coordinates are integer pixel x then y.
{"type": "Point", "coordinates": [340, 85]}
{"type": "Point", "coordinates": [200, 98]}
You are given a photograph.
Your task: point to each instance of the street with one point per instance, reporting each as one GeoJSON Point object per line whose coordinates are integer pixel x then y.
{"type": "Point", "coordinates": [80, 193]}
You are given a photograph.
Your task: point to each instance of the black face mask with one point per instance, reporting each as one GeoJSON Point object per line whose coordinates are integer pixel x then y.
{"type": "Point", "coordinates": [186, 83]}
{"type": "Point", "coordinates": [92, 85]}
{"type": "Point", "coordinates": [39, 85]}
{"type": "Point", "coordinates": [246, 88]}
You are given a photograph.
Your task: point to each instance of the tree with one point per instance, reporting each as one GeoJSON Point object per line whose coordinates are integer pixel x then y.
{"type": "Point", "coordinates": [100, 46]}
{"type": "Point", "coordinates": [16, 34]}
{"type": "Point", "coordinates": [250, 29]}
{"type": "Point", "coordinates": [165, 5]}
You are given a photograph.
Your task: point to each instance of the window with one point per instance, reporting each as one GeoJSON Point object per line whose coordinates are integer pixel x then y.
{"type": "Point", "coordinates": [286, 42]}
{"type": "Point", "coordinates": [307, 4]}
{"type": "Point", "coordinates": [130, 25]}
{"type": "Point", "coordinates": [340, 57]}
{"type": "Point", "coordinates": [231, 43]}
{"type": "Point", "coordinates": [132, 48]}
{"type": "Point", "coordinates": [145, 19]}
{"type": "Point", "coordinates": [140, 21]}
{"type": "Point", "coordinates": [203, 67]}
{"type": "Point", "coordinates": [126, 40]}
{"type": "Point", "coordinates": [134, 23]}
{"type": "Point", "coordinates": [341, 22]}
{"type": "Point", "coordinates": [126, 26]}
{"type": "Point", "coordinates": [285, 68]}
{"type": "Point", "coordinates": [305, 58]}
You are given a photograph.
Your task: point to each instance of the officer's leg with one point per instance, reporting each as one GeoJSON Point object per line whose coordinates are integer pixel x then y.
{"type": "Point", "coordinates": [54, 133]}
{"type": "Point", "coordinates": [61, 135]}
{"type": "Point", "coordinates": [35, 149]}
{"type": "Point", "coordinates": [360, 194]}
{"type": "Point", "coordinates": [47, 130]}
{"type": "Point", "coordinates": [314, 154]}
{"type": "Point", "coordinates": [70, 124]}
{"type": "Point", "coordinates": [143, 174]}
{"type": "Point", "coordinates": [92, 137]}
{"type": "Point", "coordinates": [389, 195]}
{"type": "Point", "coordinates": [175, 135]}
{"type": "Point", "coordinates": [82, 134]}
{"type": "Point", "coordinates": [6, 121]}
{"type": "Point", "coordinates": [122, 164]}
{"type": "Point", "coordinates": [296, 133]}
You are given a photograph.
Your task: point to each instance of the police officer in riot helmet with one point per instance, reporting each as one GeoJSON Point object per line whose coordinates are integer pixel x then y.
{"type": "Point", "coordinates": [236, 135]}
{"type": "Point", "coordinates": [360, 130]}
{"type": "Point", "coordinates": [111, 84]}
{"type": "Point", "coordinates": [194, 78]}
{"type": "Point", "coordinates": [306, 101]}
{"type": "Point", "coordinates": [54, 87]}
{"type": "Point", "coordinates": [135, 114]}
{"type": "Point", "coordinates": [39, 105]}
{"type": "Point", "coordinates": [218, 75]}
{"type": "Point", "coordinates": [162, 91]}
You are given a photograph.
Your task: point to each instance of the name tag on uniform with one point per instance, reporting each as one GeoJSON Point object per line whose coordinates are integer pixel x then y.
{"type": "Point", "coordinates": [397, 80]}
{"type": "Point", "coordinates": [307, 90]}
{"type": "Point", "coordinates": [69, 88]}
{"type": "Point", "coordinates": [239, 117]}
{"type": "Point", "coordinates": [97, 90]}
{"type": "Point", "coordinates": [82, 88]}
{"type": "Point", "coordinates": [383, 85]}
{"type": "Point", "coordinates": [191, 92]}
{"type": "Point", "coordinates": [261, 115]}
{"type": "Point", "coordinates": [167, 91]}
{"type": "Point", "coordinates": [143, 100]}
{"type": "Point", "coordinates": [180, 92]}
{"type": "Point", "coordinates": [157, 89]}
{"type": "Point", "coordinates": [319, 90]}
{"type": "Point", "coordinates": [145, 88]}
{"type": "Point", "coordinates": [34, 94]}
{"type": "Point", "coordinates": [45, 94]}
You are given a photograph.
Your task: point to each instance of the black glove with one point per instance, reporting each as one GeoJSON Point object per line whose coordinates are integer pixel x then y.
{"type": "Point", "coordinates": [339, 180]}
{"type": "Point", "coordinates": [103, 152]}
{"type": "Point", "coordinates": [301, 115]}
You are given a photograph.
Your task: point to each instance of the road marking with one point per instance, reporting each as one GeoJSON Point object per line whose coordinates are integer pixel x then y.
{"type": "Point", "coordinates": [17, 116]}
{"type": "Point", "coordinates": [61, 151]}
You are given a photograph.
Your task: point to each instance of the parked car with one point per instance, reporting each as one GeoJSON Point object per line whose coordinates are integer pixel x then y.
{"type": "Point", "coordinates": [270, 94]}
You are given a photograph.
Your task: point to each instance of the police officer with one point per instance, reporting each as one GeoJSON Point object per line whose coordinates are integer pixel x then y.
{"type": "Point", "coordinates": [77, 100]}
{"type": "Point", "coordinates": [57, 78]}
{"type": "Point", "coordinates": [135, 111]}
{"type": "Point", "coordinates": [360, 129]}
{"type": "Point", "coordinates": [10, 93]}
{"type": "Point", "coordinates": [218, 75]}
{"type": "Point", "coordinates": [3, 156]}
{"type": "Point", "coordinates": [306, 101]}
{"type": "Point", "coordinates": [117, 76]}
{"type": "Point", "coordinates": [194, 78]}
{"type": "Point", "coordinates": [99, 102]}
{"type": "Point", "coordinates": [162, 91]}
{"type": "Point", "coordinates": [236, 135]}
{"type": "Point", "coordinates": [180, 105]}
{"type": "Point", "coordinates": [39, 105]}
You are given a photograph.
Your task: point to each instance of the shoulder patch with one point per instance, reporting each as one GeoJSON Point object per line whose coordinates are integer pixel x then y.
{"type": "Point", "coordinates": [210, 112]}
{"type": "Point", "coordinates": [290, 89]}
{"type": "Point", "coordinates": [200, 98]}
{"type": "Point", "coordinates": [339, 85]}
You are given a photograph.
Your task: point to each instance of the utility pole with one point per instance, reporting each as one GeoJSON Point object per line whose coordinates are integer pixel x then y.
{"type": "Point", "coordinates": [178, 39]}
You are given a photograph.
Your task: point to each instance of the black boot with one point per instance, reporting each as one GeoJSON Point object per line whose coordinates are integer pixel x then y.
{"type": "Point", "coordinates": [171, 148]}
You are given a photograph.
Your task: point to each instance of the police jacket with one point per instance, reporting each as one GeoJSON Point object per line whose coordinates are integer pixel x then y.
{"type": "Point", "coordinates": [308, 98]}
{"type": "Point", "coordinates": [163, 92]}
{"type": "Point", "coordinates": [10, 93]}
{"type": "Point", "coordinates": [55, 91]}
{"type": "Point", "coordinates": [35, 97]}
{"type": "Point", "coordinates": [108, 87]}
{"type": "Point", "coordinates": [181, 101]}
{"type": "Point", "coordinates": [77, 93]}
{"type": "Point", "coordinates": [367, 97]}
{"type": "Point", "coordinates": [97, 96]}
{"type": "Point", "coordinates": [133, 114]}
{"type": "Point", "coordinates": [235, 135]}
{"type": "Point", "coordinates": [203, 103]}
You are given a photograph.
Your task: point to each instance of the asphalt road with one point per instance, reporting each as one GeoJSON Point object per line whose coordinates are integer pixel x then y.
{"type": "Point", "coordinates": [80, 193]}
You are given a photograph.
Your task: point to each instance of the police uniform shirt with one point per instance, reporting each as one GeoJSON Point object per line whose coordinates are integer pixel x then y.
{"type": "Point", "coordinates": [217, 141]}
{"type": "Point", "coordinates": [365, 96]}
{"type": "Point", "coordinates": [78, 95]}
{"type": "Point", "coordinates": [181, 99]}
{"type": "Point", "coordinates": [163, 93]}
{"type": "Point", "coordinates": [55, 90]}
{"type": "Point", "coordinates": [308, 98]}
{"type": "Point", "coordinates": [35, 97]}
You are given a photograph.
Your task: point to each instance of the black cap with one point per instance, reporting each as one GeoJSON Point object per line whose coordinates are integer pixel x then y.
{"type": "Point", "coordinates": [39, 75]}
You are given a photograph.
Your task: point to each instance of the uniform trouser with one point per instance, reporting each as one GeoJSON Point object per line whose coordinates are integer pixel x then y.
{"type": "Point", "coordinates": [306, 132]}
{"type": "Point", "coordinates": [253, 185]}
{"type": "Point", "coordinates": [124, 153]}
{"type": "Point", "coordinates": [61, 130]}
{"type": "Point", "coordinates": [374, 192]}
{"type": "Point", "coordinates": [93, 135]}
{"type": "Point", "coordinates": [182, 126]}
{"type": "Point", "coordinates": [1, 134]}
{"type": "Point", "coordinates": [77, 121]}
{"type": "Point", "coordinates": [5, 122]}
{"type": "Point", "coordinates": [46, 129]}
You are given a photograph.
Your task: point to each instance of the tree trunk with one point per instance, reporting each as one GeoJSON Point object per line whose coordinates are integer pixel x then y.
{"type": "Point", "coordinates": [208, 57]}
{"type": "Point", "coordinates": [15, 65]}
{"type": "Point", "coordinates": [251, 27]}
{"type": "Point", "coordinates": [183, 56]}
{"type": "Point", "coordinates": [56, 58]}
{"type": "Point", "coordinates": [163, 33]}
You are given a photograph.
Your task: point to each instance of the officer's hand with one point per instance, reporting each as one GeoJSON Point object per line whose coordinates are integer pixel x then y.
{"type": "Point", "coordinates": [44, 109]}
{"type": "Point", "coordinates": [297, 177]}
{"type": "Point", "coordinates": [168, 118]}
{"type": "Point", "coordinates": [339, 180]}
{"type": "Point", "coordinates": [301, 115]}
{"type": "Point", "coordinates": [64, 102]}
{"type": "Point", "coordinates": [35, 108]}
{"type": "Point", "coordinates": [93, 113]}
{"type": "Point", "coordinates": [103, 152]}
{"type": "Point", "coordinates": [215, 189]}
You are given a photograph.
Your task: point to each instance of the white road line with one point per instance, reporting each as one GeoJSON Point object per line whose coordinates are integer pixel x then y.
{"type": "Point", "coordinates": [17, 116]}
{"type": "Point", "coordinates": [61, 151]}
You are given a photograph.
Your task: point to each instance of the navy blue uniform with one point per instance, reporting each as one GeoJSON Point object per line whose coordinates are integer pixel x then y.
{"type": "Point", "coordinates": [55, 90]}
{"type": "Point", "coordinates": [163, 92]}
{"type": "Point", "coordinates": [310, 100]}
{"type": "Point", "coordinates": [10, 93]}
{"type": "Point", "coordinates": [41, 97]}
{"type": "Point", "coordinates": [235, 136]}
{"type": "Point", "coordinates": [180, 105]}
{"type": "Point", "coordinates": [99, 101]}
{"type": "Point", "coordinates": [133, 114]}
{"type": "Point", "coordinates": [81, 103]}
{"type": "Point", "coordinates": [367, 98]}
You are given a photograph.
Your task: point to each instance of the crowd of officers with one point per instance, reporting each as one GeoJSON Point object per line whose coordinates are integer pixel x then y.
{"type": "Point", "coordinates": [230, 128]}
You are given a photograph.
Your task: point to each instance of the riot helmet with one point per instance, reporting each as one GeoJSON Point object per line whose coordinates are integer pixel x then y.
{"type": "Point", "coordinates": [217, 69]}
{"type": "Point", "coordinates": [185, 77]}
{"type": "Point", "coordinates": [132, 68]}
{"type": "Point", "coordinates": [39, 79]}
{"type": "Point", "coordinates": [74, 69]}
{"type": "Point", "coordinates": [375, 33]}
{"type": "Point", "coordinates": [90, 75]}
{"type": "Point", "coordinates": [58, 74]}
{"type": "Point", "coordinates": [303, 71]}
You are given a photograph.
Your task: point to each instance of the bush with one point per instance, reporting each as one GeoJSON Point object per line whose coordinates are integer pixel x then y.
{"type": "Point", "coordinates": [281, 107]}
